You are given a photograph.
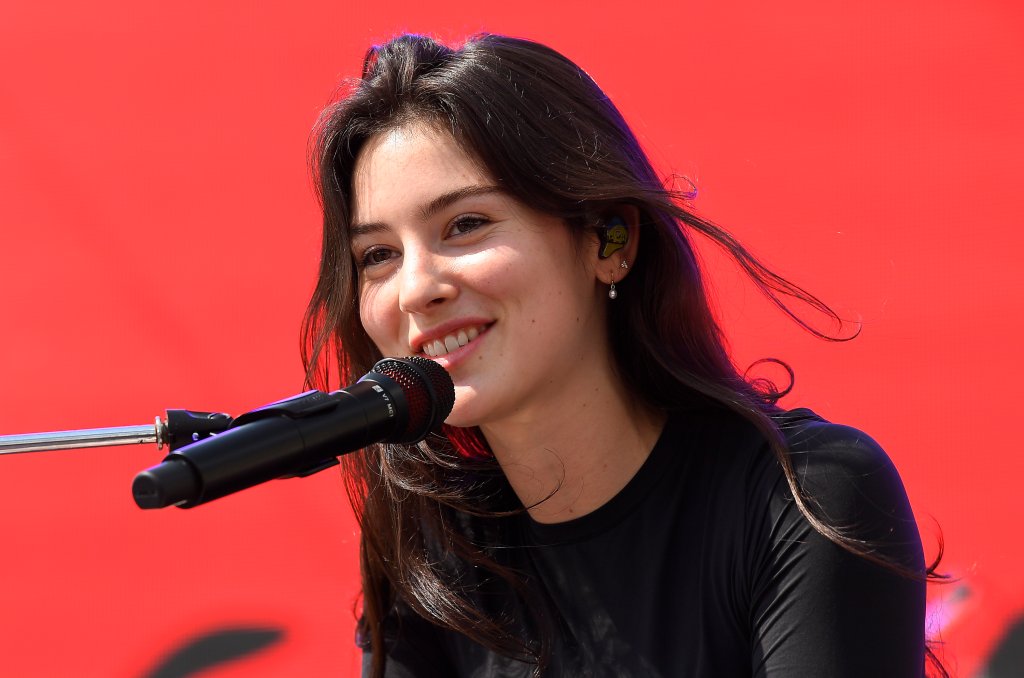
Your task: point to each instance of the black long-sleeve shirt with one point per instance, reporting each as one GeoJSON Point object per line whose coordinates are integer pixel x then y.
{"type": "Point", "coordinates": [702, 566]}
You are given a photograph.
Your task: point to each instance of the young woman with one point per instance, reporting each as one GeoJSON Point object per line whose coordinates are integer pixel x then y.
{"type": "Point", "coordinates": [610, 497]}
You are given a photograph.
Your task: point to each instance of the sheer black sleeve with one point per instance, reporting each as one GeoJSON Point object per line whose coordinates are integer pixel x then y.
{"type": "Point", "coordinates": [816, 609]}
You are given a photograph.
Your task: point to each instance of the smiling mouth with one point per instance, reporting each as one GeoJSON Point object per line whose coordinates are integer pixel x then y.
{"type": "Point", "coordinates": [450, 342]}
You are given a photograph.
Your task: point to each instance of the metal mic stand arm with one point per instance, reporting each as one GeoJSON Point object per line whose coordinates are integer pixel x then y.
{"type": "Point", "coordinates": [181, 428]}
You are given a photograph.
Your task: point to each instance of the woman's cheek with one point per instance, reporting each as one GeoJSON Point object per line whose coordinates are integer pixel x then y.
{"type": "Point", "coordinates": [375, 315]}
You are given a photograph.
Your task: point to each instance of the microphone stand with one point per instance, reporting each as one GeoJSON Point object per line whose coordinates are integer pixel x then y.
{"type": "Point", "coordinates": [180, 428]}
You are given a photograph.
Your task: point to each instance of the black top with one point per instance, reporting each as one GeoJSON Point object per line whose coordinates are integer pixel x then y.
{"type": "Point", "coordinates": [703, 566]}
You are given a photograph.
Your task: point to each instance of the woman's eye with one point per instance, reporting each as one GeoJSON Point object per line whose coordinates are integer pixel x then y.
{"type": "Point", "coordinates": [467, 223]}
{"type": "Point", "coordinates": [376, 256]}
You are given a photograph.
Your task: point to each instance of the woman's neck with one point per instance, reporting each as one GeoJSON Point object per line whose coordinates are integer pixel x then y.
{"type": "Point", "coordinates": [565, 464]}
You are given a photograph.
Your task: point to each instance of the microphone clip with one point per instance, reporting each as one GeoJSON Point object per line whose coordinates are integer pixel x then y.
{"type": "Point", "coordinates": [296, 407]}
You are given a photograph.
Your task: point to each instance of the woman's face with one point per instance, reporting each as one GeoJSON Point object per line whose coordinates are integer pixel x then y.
{"type": "Point", "coordinates": [451, 268]}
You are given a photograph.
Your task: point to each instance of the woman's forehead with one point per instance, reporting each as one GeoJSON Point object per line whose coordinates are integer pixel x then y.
{"type": "Point", "coordinates": [409, 164]}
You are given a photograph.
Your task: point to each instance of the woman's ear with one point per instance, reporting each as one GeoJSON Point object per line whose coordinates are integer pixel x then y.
{"type": "Point", "coordinates": [618, 238]}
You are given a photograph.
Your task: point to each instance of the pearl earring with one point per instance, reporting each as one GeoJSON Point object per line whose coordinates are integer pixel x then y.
{"type": "Point", "coordinates": [612, 292]}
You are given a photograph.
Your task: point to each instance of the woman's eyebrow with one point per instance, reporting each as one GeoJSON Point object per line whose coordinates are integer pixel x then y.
{"type": "Point", "coordinates": [429, 209]}
{"type": "Point", "coordinates": [452, 197]}
{"type": "Point", "coordinates": [358, 229]}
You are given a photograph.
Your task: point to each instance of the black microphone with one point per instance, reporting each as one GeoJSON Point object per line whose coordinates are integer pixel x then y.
{"type": "Point", "coordinates": [400, 400]}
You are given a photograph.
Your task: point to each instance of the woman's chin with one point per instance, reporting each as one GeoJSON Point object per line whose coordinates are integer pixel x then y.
{"type": "Point", "coordinates": [461, 420]}
{"type": "Point", "coordinates": [465, 413]}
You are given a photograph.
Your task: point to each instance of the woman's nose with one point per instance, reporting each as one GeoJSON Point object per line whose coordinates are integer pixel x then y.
{"type": "Point", "coordinates": [425, 281]}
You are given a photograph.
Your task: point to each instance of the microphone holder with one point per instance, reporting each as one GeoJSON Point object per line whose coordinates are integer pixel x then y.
{"type": "Point", "coordinates": [180, 428]}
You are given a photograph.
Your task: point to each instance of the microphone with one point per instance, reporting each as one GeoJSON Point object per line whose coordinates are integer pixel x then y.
{"type": "Point", "coordinates": [400, 400]}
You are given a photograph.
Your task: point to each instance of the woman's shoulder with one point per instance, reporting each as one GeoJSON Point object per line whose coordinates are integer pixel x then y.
{"type": "Point", "coordinates": [807, 433]}
{"type": "Point", "coordinates": [848, 480]}
{"type": "Point", "coordinates": [840, 466]}
{"type": "Point", "coordinates": [815, 445]}
{"type": "Point", "coordinates": [825, 456]}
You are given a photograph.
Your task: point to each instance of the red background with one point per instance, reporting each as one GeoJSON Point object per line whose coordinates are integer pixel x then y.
{"type": "Point", "coordinates": [159, 241]}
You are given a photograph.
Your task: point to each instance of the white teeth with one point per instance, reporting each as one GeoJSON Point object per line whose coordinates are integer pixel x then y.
{"type": "Point", "coordinates": [449, 343]}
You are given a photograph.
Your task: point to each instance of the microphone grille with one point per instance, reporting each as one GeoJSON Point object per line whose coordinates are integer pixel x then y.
{"type": "Point", "coordinates": [428, 390]}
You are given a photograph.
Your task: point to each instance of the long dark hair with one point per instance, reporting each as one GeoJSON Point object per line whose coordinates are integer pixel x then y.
{"type": "Point", "coordinates": [550, 138]}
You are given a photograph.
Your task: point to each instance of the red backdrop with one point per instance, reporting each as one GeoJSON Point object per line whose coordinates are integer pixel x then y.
{"type": "Point", "coordinates": [159, 241]}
